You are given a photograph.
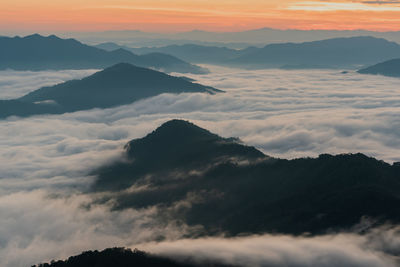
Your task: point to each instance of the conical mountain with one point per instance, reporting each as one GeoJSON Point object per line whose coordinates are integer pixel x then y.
{"type": "Point", "coordinates": [228, 187]}
{"type": "Point", "coordinates": [120, 84]}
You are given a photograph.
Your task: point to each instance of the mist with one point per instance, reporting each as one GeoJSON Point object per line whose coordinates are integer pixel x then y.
{"type": "Point", "coordinates": [15, 84]}
{"type": "Point", "coordinates": [45, 162]}
{"type": "Point", "coordinates": [345, 249]}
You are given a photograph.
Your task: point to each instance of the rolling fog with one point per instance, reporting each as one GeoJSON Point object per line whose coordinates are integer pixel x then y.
{"type": "Point", "coordinates": [45, 161]}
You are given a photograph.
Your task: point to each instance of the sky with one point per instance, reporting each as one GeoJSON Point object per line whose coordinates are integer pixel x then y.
{"type": "Point", "coordinates": [210, 15]}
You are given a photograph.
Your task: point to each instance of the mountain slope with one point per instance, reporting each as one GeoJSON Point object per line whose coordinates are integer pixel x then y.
{"type": "Point", "coordinates": [118, 85]}
{"type": "Point", "coordinates": [226, 187]}
{"type": "Point", "coordinates": [36, 52]}
{"type": "Point", "coordinates": [188, 52]}
{"type": "Point", "coordinates": [120, 257]}
{"type": "Point", "coordinates": [329, 53]}
{"type": "Point", "coordinates": [338, 52]}
{"type": "Point", "coordinates": [389, 68]}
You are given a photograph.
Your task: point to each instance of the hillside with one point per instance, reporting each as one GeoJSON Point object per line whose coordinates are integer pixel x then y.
{"type": "Point", "coordinates": [389, 68]}
{"type": "Point", "coordinates": [36, 52]}
{"type": "Point", "coordinates": [330, 53]}
{"type": "Point", "coordinates": [117, 85]}
{"type": "Point", "coordinates": [121, 257]}
{"type": "Point", "coordinates": [232, 188]}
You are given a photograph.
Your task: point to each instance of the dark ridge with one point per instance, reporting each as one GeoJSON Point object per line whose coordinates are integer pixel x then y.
{"type": "Point", "coordinates": [176, 144]}
{"type": "Point", "coordinates": [122, 257]}
{"type": "Point", "coordinates": [36, 52]}
{"type": "Point", "coordinates": [389, 68]}
{"type": "Point", "coordinates": [117, 85]}
{"type": "Point", "coordinates": [23, 109]}
{"type": "Point", "coordinates": [186, 140]}
{"type": "Point", "coordinates": [236, 189]}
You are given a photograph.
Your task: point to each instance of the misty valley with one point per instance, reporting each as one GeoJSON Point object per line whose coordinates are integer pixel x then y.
{"type": "Point", "coordinates": [199, 154]}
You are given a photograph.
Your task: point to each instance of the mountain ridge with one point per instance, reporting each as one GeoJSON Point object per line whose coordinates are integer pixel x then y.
{"type": "Point", "coordinates": [390, 68]}
{"type": "Point", "coordinates": [237, 40]}
{"type": "Point", "coordinates": [350, 52]}
{"type": "Point", "coordinates": [117, 85]}
{"type": "Point", "coordinates": [37, 52]}
{"type": "Point", "coordinates": [232, 188]}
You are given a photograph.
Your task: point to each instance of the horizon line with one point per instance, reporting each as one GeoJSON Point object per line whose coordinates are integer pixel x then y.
{"type": "Point", "coordinates": [190, 31]}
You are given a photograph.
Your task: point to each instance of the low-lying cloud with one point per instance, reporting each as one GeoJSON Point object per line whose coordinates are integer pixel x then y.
{"type": "Point", "coordinates": [378, 248]}
{"type": "Point", "coordinates": [15, 84]}
{"type": "Point", "coordinates": [39, 225]}
{"type": "Point", "coordinates": [44, 160]}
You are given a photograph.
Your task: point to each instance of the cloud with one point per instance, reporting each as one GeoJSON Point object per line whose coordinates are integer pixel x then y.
{"type": "Point", "coordinates": [44, 160]}
{"type": "Point", "coordinates": [377, 248]}
{"type": "Point", "coordinates": [38, 226]}
{"type": "Point", "coordinates": [381, 2]}
{"type": "Point", "coordinates": [318, 6]}
{"type": "Point", "coordinates": [15, 84]}
{"type": "Point", "coordinates": [284, 113]}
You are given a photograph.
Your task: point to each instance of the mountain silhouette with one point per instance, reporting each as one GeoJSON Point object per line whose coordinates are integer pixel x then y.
{"type": "Point", "coordinates": [237, 40]}
{"type": "Point", "coordinates": [231, 188]}
{"type": "Point", "coordinates": [338, 52]}
{"type": "Point", "coordinates": [117, 85]}
{"type": "Point", "coordinates": [176, 144]}
{"type": "Point", "coordinates": [350, 52]}
{"type": "Point", "coordinates": [188, 52]}
{"type": "Point", "coordinates": [389, 68]}
{"type": "Point", "coordinates": [36, 52]}
{"type": "Point", "coordinates": [121, 257]}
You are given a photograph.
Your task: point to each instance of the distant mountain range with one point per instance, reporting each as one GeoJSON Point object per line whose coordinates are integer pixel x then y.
{"type": "Point", "coordinates": [36, 52]}
{"type": "Point", "coordinates": [231, 188]}
{"type": "Point", "coordinates": [389, 68]}
{"type": "Point", "coordinates": [236, 40]}
{"type": "Point", "coordinates": [188, 52]}
{"type": "Point", "coordinates": [331, 53]}
{"type": "Point", "coordinates": [117, 85]}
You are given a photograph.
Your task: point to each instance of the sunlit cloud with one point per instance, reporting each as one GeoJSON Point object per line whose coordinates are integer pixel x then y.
{"type": "Point", "coordinates": [381, 2]}
{"type": "Point", "coordinates": [199, 12]}
{"type": "Point", "coordinates": [341, 6]}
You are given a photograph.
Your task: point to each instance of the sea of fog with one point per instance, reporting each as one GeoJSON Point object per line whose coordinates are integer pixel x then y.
{"type": "Point", "coordinates": [44, 161]}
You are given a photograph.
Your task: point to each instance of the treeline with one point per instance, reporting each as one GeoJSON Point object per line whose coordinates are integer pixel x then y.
{"type": "Point", "coordinates": [121, 257]}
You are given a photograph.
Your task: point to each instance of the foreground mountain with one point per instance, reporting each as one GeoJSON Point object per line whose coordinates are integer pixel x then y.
{"type": "Point", "coordinates": [331, 53]}
{"type": "Point", "coordinates": [117, 85]}
{"type": "Point", "coordinates": [226, 187]}
{"type": "Point", "coordinates": [120, 257]}
{"type": "Point", "coordinates": [389, 68]}
{"type": "Point", "coordinates": [36, 52]}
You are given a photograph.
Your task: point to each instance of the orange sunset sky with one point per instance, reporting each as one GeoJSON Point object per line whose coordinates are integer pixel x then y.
{"type": "Point", "coordinates": [184, 15]}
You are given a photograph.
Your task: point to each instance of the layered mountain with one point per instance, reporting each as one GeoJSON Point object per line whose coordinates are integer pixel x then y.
{"type": "Point", "coordinates": [236, 40]}
{"type": "Point", "coordinates": [120, 84]}
{"type": "Point", "coordinates": [227, 187]}
{"type": "Point", "coordinates": [36, 52]}
{"type": "Point", "coordinates": [389, 68]}
{"type": "Point", "coordinates": [331, 53]}
{"type": "Point", "coordinates": [188, 52]}
{"type": "Point", "coordinates": [338, 52]}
